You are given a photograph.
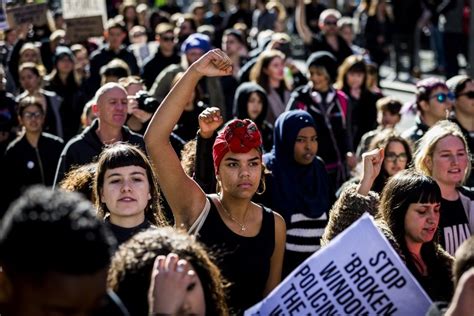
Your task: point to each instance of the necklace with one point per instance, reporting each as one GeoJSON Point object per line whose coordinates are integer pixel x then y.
{"type": "Point", "coordinates": [243, 226]}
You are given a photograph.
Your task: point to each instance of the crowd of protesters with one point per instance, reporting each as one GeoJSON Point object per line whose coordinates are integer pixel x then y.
{"type": "Point", "coordinates": [258, 128]}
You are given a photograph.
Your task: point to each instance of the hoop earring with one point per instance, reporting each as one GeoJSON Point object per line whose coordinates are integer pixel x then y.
{"type": "Point", "coordinates": [263, 185]}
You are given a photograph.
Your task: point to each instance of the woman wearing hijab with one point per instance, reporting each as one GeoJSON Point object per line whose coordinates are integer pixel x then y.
{"type": "Point", "coordinates": [298, 185]}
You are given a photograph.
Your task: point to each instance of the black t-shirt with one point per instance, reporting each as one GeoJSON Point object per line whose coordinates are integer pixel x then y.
{"type": "Point", "coordinates": [453, 225]}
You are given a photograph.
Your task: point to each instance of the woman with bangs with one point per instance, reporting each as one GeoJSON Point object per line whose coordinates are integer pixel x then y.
{"type": "Point", "coordinates": [250, 237]}
{"type": "Point", "coordinates": [352, 79]}
{"type": "Point", "coordinates": [443, 154]}
{"type": "Point", "coordinates": [408, 214]}
{"type": "Point", "coordinates": [126, 193]}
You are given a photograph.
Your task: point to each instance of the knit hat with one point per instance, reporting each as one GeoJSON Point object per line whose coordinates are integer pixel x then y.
{"type": "Point", "coordinates": [196, 40]}
{"type": "Point", "coordinates": [239, 136]}
{"type": "Point", "coordinates": [63, 51]}
{"type": "Point", "coordinates": [326, 60]}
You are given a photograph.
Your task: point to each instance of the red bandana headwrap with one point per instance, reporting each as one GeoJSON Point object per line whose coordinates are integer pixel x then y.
{"type": "Point", "coordinates": [239, 136]}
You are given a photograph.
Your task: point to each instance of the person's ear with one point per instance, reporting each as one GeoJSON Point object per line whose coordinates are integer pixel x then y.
{"type": "Point", "coordinates": [5, 287]}
{"type": "Point", "coordinates": [95, 108]}
{"type": "Point", "coordinates": [424, 106]}
{"type": "Point", "coordinates": [428, 162]}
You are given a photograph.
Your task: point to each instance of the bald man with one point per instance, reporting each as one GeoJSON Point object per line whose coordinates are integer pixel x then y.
{"type": "Point", "coordinates": [111, 111]}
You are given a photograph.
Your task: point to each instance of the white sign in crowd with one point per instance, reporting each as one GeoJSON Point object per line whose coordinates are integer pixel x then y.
{"type": "Point", "coordinates": [358, 273]}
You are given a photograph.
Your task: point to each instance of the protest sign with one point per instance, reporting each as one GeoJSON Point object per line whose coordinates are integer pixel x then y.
{"type": "Point", "coordinates": [34, 13]}
{"type": "Point", "coordinates": [82, 8]}
{"type": "Point", "coordinates": [84, 18]}
{"type": "Point", "coordinates": [80, 29]}
{"type": "Point", "coordinates": [358, 273]}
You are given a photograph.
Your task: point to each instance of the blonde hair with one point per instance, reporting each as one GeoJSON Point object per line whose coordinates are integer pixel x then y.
{"type": "Point", "coordinates": [427, 144]}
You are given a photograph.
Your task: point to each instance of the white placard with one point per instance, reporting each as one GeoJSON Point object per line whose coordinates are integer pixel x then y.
{"type": "Point", "coordinates": [358, 273]}
{"type": "Point", "coordinates": [84, 8]}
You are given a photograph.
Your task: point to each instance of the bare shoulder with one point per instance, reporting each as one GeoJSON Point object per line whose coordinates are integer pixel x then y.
{"type": "Point", "coordinates": [279, 221]}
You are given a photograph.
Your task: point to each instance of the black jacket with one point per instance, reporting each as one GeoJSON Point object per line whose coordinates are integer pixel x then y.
{"type": "Point", "coordinates": [414, 133]}
{"type": "Point", "coordinates": [85, 147]}
{"type": "Point", "coordinates": [154, 65]}
{"type": "Point", "coordinates": [319, 44]}
{"type": "Point", "coordinates": [103, 56]}
{"type": "Point", "coordinates": [25, 165]}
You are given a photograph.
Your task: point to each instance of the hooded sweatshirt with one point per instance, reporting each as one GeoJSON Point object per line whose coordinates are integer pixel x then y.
{"type": "Point", "coordinates": [240, 111]}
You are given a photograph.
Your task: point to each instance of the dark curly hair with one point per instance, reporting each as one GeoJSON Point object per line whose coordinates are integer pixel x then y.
{"type": "Point", "coordinates": [53, 231]}
{"type": "Point", "coordinates": [80, 179]}
{"type": "Point", "coordinates": [131, 268]}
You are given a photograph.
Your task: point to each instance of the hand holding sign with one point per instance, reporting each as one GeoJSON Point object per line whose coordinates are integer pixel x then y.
{"type": "Point", "coordinates": [370, 279]}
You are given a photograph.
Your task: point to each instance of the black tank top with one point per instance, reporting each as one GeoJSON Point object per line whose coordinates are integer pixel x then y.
{"type": "Point", "coordinates": [243, 261]}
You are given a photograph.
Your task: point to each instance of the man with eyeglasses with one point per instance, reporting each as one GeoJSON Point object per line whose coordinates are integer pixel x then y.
{"type": "Point", "coordinates": [328, 39]}
{"type": "Point", "coordinates": [166, 55]}
{"type": "Point", "coordinates": [32, 157]}
{"type": "Point", "coordinates": [433, 103]}
{"type": "Point", "coordinates": [463, 115]}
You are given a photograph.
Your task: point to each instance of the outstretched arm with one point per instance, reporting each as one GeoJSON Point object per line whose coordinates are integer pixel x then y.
{"type": "Point", "coordinates": [184, 196]}
{"type": "Point", "coordinates": [209, 121]}
{"type": "Point", "coordinates": [301, 26]}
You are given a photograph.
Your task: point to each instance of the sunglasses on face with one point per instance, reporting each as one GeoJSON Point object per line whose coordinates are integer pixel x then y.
{"type": "Point", "coordinates": [167, 38]}
{"type": "Point", "coordinates": [330, 22]}
{"type": "Point", "coordinates": [442, 97]}
{"type": "Point", "coordinates": [32, 115]}
{"type": "Point", "coordinates": [469, 94]}
{"type": "Point", "coordinates": [392, 157]}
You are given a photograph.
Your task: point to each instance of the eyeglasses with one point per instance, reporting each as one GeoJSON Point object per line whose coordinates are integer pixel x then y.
{"type": "Point", "coordinates": [442, 97]}
{"type": "Point", "coordinates": [469, 94]}
{"type": "Point", "coordinates": [167, 38]}
{"type": "Point", "coordinates": [392, 157]}
{"type": "Point", "coordinates": [32, 115]}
